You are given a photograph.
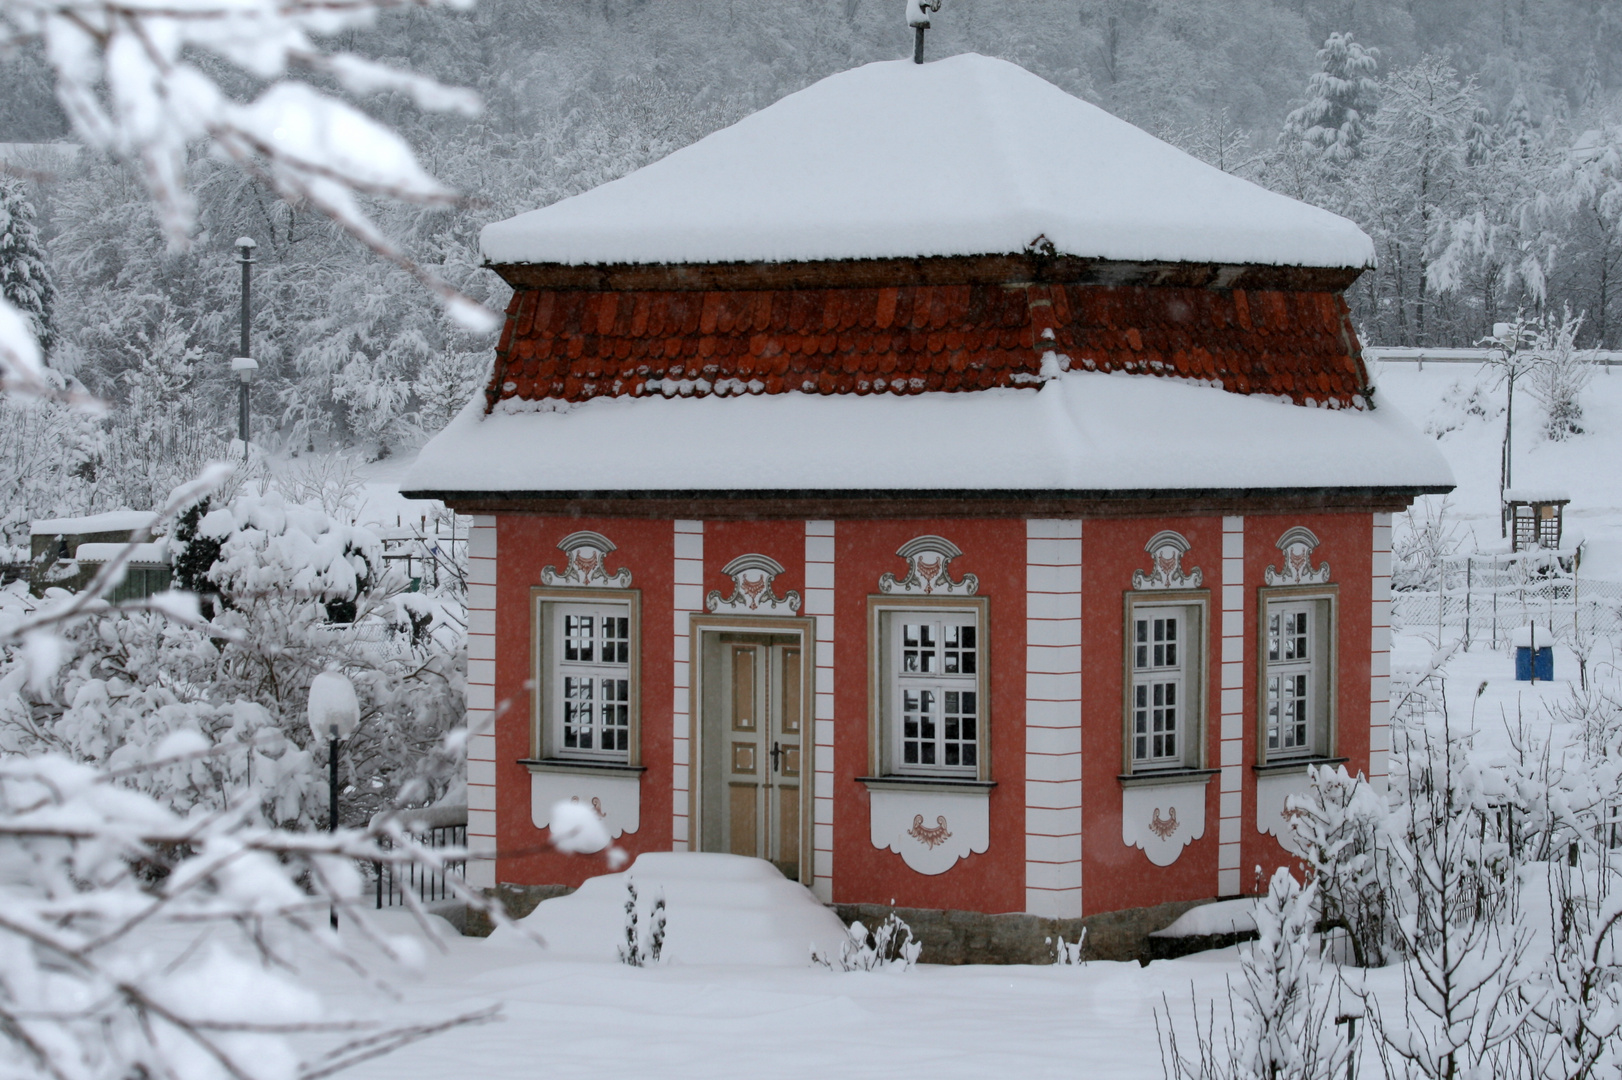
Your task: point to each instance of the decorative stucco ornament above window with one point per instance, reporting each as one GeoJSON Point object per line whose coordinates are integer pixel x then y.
{"type": "Point", "coordinates": [1297, 544]}
{"type": "Point", "coordinates": [1162, 819]}
{"type": "Point", "coordinates": [586, 551]}
{"type": "Point", "coordinates": [929, 561]}
{"type": "Point", "coordinates": [752, 592]}
{"type": "Point", "coordinates": [1166, 549]}
{"type": "Point", "coordinates": [930, 830]}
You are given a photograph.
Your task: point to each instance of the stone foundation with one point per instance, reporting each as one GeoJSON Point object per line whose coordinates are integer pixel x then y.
{"type": "Point", "coordinates": [516, 900]}
{"type": "Point", "coordinates": [966, 937]}
{"type": "Point", "coordinates": [969, 937]}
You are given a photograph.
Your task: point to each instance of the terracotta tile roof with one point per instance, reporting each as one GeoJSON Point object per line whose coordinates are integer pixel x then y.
{"type": "Point", "coordinates": [566, 345]}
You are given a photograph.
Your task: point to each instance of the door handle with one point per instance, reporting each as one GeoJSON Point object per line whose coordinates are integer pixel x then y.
{"type": "Point", "coordinates": [777, 752]}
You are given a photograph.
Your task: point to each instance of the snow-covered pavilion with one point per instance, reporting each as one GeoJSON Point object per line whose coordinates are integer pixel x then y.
{"type": "Point", "coordinates": [938, 487]}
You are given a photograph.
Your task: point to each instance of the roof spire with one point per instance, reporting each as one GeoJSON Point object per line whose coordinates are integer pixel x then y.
{"type": "Point", "coordinates": [918, 18]}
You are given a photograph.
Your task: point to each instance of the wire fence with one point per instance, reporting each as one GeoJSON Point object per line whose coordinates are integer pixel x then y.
{"type": "Point", "coordinates": [1483, 599]}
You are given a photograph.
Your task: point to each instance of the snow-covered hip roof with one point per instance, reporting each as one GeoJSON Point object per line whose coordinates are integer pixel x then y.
{"type": "Point", "coordinates": [964, 156]}
{"type": "Point", "coordinates": [1080, 434]}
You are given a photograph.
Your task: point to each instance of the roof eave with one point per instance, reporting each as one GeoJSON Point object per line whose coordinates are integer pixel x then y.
{"type": "Point", "coordinates": [886, 502]}
{"type": "Point", "coordinates": [1027, 267]}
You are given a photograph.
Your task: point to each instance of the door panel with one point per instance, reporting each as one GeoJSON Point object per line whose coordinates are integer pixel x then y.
{"type": "Point", "coordinates": [755, 790]}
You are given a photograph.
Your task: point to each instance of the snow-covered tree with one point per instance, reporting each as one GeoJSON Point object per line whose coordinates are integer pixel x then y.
{"type": "Point", "coordinates": [1341, 99]}
{"type": "Point", "coordinates": [25, 278]}
{"type": "Point", "coordinates": [1558, 382]}
{"type": "Point", "coordinates": [1339, 825]}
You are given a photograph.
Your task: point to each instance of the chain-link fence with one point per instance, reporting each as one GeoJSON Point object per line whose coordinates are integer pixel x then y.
{"type": "Point", "coordinates": [1483, 599]}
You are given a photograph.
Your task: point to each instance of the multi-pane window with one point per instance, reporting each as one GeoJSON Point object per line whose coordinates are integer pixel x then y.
{"type": "Point", "coordinates": [1159, 670]}
{"type": "Point", "coordinates": [1291, 675]}
{"type": "Point", "coordinates": [936, 693]}
{"type": "Point", "coordinates": [591, 680]}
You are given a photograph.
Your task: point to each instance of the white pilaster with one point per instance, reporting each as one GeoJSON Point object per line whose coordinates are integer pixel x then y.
{"type": "Point", "coordinates": [689, 599]}
{"type": "Point", "coordinates": [1232, 761]}
{"type": "Point", "coordinates": [1053, 718]}
{"type": "Point", "coordinates": [1380, 655]}
{"type": "Point", "coordinates": [819, 603]}
{"type": "Point", "coordinates": [481, 702]}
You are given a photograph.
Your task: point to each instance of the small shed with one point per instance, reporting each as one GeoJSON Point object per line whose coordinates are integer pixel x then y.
{"type": "Point", "coordinates": [67, 553]}
{"type": "Point", "coordinates": [1534, 517]}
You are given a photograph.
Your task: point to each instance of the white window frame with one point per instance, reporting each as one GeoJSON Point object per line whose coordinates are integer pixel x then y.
{"type": "Point", "coordinates": [893, 687]}
{"type": "Point", "coordinates": [555, 669]}
{"type": "Point", "coordinates": [1318, 671]}
{"type": "Point", "coordinates": [1183, 675]}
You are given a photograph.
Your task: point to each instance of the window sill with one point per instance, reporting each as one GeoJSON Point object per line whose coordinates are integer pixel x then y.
{"type": "Point", "coordinates": [581, 767]}
{"type": "Point", "coordinates": [927, 783]}
{"type": "Point", "coordinates": [1166, 776]}
{"type": "Point", "coordinates": [1298, 764]}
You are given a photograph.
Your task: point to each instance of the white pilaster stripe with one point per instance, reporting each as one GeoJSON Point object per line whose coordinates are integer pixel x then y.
{"type": "Point", "coordinates": [1232, 757]}
{"type": "Point", "coordinates": [689, 598]}
{"type": "Point", "coordinates": [819, 603]}
{"type": "Point", "coordinates": [1053, 718]}
{"type": "Point", "coordinates": [481, 701]}
{"type": "Point", "coordinates": [1380, 654]}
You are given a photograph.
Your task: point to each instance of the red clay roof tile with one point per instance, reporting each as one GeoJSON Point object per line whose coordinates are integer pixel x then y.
{"type": "Point", "coordinates": [906, 340]}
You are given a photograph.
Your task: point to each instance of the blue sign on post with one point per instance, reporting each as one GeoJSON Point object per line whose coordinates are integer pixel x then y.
{"type": "Point", "coordinates": [1534, 654]}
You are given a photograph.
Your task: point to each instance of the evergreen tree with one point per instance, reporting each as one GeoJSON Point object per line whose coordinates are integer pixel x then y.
{"type": "Point", "coordinates": [25, 281]}
{"type": "Point", "coordinates": [1340, 99]}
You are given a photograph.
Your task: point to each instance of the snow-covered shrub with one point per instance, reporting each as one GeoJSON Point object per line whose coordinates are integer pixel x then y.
{"type": "Point", "coordinates": [1069, 953]}
{"type": "Point", "coordinates": [1424, 538]}
{"type": "Point", "coordinates": [641, 949]}
{"type": "Point", "coordinates": [1286, 1027]}
{"type": "Point", "coordinates": [138, 942]}
{"type": "Point", "coordinates": [1451, 883]}
{"type": "Point", "coordinates": [240, 682]}
{"type": "Point", "coordinates": [1561, 376]}
{"type": "Point", "coordinates": [887, 947]}
{"type": "Point", "coordinates": [1338, 824]}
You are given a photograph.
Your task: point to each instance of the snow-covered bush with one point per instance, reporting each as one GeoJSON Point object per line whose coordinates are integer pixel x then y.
{"type": "Point", "coordinates": [280, 576]}
{"type": "Point", "coordinates": [139, 942]}
{"type": "Point", "coordinates": [641, 949]}
{"type": "Point", "coordinates": [1287, 1024]}
{"type": "Point", "coordinates": [1339, 824]}
{"type": "Point", "coordinates": [1070, 953]}
{"type": "Point", "coordinates": [1561, 376]}
{"type": "Point", "coordinates": [888, 947]}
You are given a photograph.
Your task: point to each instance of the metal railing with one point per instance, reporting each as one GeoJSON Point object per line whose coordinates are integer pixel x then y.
{"type": "Point", "coordinates": [435, 827]}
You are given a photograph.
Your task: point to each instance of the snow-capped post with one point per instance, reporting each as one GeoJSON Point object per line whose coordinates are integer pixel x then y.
{"type": "Point", "coordinates": [243, 364]}
{"type": "Point", "coordinates": [334, 715]}
{"type": "Point", "coordinates": [918, 18]}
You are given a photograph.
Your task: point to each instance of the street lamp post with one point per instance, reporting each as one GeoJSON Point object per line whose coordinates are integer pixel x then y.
{"type": "Point", "coordinates": [243, 364]}
{"type": "Point", "coordinates": [334, 714]}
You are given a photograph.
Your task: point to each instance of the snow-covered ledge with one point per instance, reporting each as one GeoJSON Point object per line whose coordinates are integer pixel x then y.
{"type": "Point", "coordinates": [1162, 813]}
{"type": "Point", "coordinates": [614, 791]}
{"type": "Point", "coordinates": [931, 824]}
{"type": "Point", "coordinates": [1276, 782]}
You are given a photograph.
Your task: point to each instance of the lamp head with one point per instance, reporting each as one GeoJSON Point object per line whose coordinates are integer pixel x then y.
{"type": "Point", "coordinates": [245, 367]}
{"type": "Point", "coordinates": [334, 710]}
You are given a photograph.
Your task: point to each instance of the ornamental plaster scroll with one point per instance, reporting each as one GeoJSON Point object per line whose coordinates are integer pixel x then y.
{"type": "Point", "coordinates": [1273, 814]}
{"type": "Point", "coordinates": [752, 591]}
{"type": "Point", "coordinates": [616, 799]}
{"type": "Point", "coordinates": [586, 551]}
{"type": "Point", "coordinates": [929, 560]}
{"type": "Point", "coordinates": [1162, 819]}
{"type": "Point", "coordinates": [1297, 544]}
{"type": "Point", "coordinates": [930, 830]}
{"type": "Point", "coordinates": [1166, 550]}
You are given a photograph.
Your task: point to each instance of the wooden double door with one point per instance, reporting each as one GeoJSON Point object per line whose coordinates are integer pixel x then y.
{"type": "Point", "coordinates": [754, 725]}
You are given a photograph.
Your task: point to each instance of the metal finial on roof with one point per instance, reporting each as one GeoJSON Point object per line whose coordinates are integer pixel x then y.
{"type": "Point", "coordinates": [918, 18]}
